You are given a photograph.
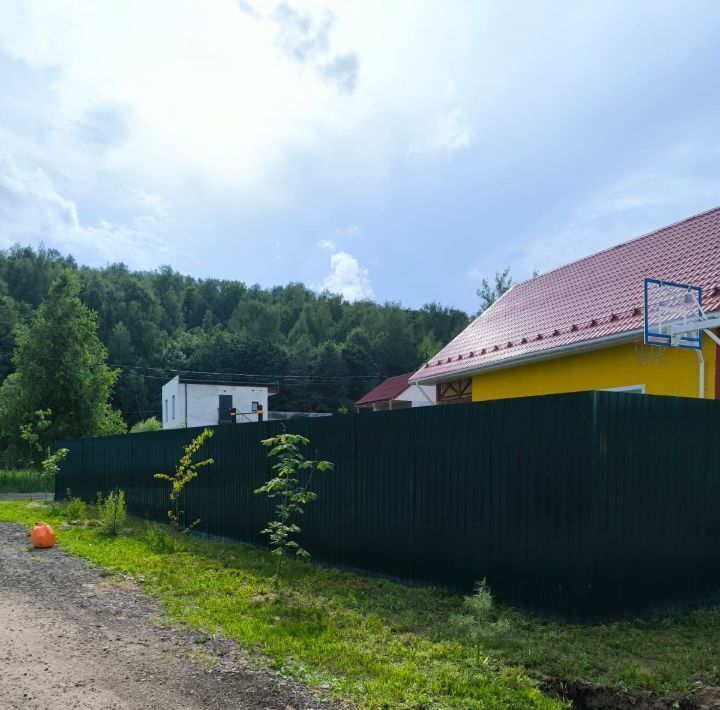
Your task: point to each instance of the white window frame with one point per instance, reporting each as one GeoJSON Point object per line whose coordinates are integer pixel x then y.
{"type": "Point", "coordinates": [640, 389]}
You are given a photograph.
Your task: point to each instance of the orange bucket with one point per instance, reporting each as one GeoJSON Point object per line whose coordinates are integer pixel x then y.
{"type": "Point", "coordinates": [42, 536]}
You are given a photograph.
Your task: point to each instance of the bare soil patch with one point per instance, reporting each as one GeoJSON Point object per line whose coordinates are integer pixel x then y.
{"type": "Point", "coordinates": [588, 696]}
{"type": "Point", "coordinates": [73, 637]}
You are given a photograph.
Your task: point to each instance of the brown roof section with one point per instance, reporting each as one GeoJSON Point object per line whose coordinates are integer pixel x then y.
{"type": "Point", "coordinates": [388, 390]}
{"type": "Point", "coordinates": [597, 297]}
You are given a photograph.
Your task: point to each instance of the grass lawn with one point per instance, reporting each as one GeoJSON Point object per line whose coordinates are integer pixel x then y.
{"type": "Point", "coordinates": [384, 645]}
{"type": "Point", "coordinates": [23, 481]}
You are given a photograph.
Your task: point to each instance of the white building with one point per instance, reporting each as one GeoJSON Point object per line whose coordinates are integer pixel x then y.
{"type": "Point", "coordinates": [188, 403]}
{"type": "Point", "coordinates": [397, 393]}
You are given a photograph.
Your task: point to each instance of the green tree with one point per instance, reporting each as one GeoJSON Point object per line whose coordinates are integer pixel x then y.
{"type": "Point", "coordinates": [13, 414]}
{"type": "Point", "coordinates": [259, 321]}
{"type": "Point", "coordinates": [292, 494]}
{"type": "Point", "coordinates": [332, 391]}
{"type": "Point", "coordinates": [428, 347]}
{"type": "Point", "coordinates": [8, 320]}
{"type": "Point", "coordinates": [32, 436]}
{"type": "Point", "coordinates": [120, 347]}
{"type": "Point", "coordinates": [61, 364]}
{"type": "Point", "coordinates": [489, 294]}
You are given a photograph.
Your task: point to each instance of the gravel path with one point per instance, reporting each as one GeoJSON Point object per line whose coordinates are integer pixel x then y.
{"type": "Point", "coordinates": [72, 638]}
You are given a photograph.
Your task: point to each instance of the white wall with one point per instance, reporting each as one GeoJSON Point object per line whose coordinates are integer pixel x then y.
{"type": "Point", "coordinates": [411, 397]}
{"type": "Point", "coordinates": [418, 399]}
{"type": "Point", "coordinates": [203, 401]}
{"type": "Point", "coordinates": [171, 389]}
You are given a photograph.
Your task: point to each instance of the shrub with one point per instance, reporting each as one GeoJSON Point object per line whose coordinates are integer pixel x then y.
{"type": "Point", "coordinates": [75, 509]}
{"type": "Point", "coordinates": [149, 424]}
{"type": "Point", "coordinates": [112, 512]}
{"type": "Point", "coordinates": [479, 617]}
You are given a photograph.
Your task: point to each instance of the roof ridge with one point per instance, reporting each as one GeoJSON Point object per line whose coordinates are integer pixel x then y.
{"type": "Point", "coordinates": [621, 244]}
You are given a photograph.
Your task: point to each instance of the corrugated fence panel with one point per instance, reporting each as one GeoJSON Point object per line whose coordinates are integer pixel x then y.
{"type": "Point", "coordinates": [663, 491]}
{"type": "Point", "coordinates": [584, 505]}
{"type": "Point", "coordinates": [382, 535]}
{"type": "Point", "coordinates": [452, 485]}
{"type": "Point", "coordinates": [541, 494]}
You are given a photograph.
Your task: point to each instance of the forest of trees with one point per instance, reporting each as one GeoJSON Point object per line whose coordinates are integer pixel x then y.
{"type": "Point", "coordinates": [323, 351]}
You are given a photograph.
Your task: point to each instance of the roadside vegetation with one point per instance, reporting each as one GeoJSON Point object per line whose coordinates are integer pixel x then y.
{"type": "Point", "coordinates": [24, 481]}
{"type": "Point", "coordinates": [383, 644]}
{"type": "Point", "coordinates": [374, 642]}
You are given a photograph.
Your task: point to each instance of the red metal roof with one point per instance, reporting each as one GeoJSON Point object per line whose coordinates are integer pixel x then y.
{"type": "Point", "coordinates": [390, 389]}
{"type": "Point", "coordinates": [599, 296]}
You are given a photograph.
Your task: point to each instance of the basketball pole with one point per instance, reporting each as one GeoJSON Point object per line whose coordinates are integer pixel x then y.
{"type": "Point", "coordinates": [706, 325]}
{"type": "Point", "coordinates": [701, 370]}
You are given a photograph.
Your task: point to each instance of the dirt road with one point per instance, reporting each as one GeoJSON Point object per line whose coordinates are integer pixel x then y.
{"type": "Point", "coordinates": [73, 638]}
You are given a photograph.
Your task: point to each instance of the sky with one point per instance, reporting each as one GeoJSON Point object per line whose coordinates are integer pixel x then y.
{"type": "Point", "coordinates": [395, 150]}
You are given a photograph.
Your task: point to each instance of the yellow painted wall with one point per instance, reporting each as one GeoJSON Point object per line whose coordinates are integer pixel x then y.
{"type": "Point", "coordinates": [676, 374]}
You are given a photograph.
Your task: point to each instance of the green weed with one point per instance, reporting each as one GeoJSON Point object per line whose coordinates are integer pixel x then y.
{"type": "Point", "coordinates": [112, 513]}
{"type": "Point", "coordinates": [159, 541]}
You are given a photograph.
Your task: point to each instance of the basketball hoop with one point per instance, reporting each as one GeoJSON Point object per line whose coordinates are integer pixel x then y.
{"type": "Point", "coordinates": [673, 314]}
{"type": "Point", "coordinates": [648, 354]}
{"type": "Point", "coordinates": [674, 318]}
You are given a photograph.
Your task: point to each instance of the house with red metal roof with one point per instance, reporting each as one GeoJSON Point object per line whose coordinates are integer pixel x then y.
{"type": "Point", "coordinates": [397, 393]}
{"type": "Point", "coordinates": [580, 326]}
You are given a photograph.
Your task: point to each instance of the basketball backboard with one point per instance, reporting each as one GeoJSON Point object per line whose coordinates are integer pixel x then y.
{"type": "Point", "coordinates": [673, 314]}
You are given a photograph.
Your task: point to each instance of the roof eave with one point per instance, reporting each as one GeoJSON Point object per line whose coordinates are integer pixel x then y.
{"type": "Point", "coordinates": [584, 346]}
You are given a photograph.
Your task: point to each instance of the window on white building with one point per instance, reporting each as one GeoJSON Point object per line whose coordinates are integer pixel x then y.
{"type": "Point", "coordinates": [166, 410]}
{"type": "Point", "coordinates": [173, 406]}
{"type": "Point", "coordinates": [255, 406]}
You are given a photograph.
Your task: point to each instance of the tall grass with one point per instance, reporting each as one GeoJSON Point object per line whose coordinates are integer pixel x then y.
{"type": "Point", "coordinates": [23, 481]}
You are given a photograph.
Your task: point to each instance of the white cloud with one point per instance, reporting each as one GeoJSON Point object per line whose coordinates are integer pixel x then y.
{"type": "Point", "coordinates": [306, 38]}
{"type": "Point", "coordinates": [347, 278]}
{"type": "Point", "coordinates": [222, 98]}
{"type": "Point", "coordinates": [31, 205]}
{"type": "Point", "coordinates": [157, 204]}
{"type": "Point", "coordinates": [326, 244]}
{"type": "Point", "coordinates": [449, 133]}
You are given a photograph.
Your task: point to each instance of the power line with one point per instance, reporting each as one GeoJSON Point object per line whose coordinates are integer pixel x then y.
{"type": "Point", "coordinates": [249, 375]}
{"type": "Point", "coordinates": [287, 378]}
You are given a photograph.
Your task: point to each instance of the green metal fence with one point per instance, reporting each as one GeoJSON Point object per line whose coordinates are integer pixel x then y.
{"type": "Point", "coordinates": [585, 505]}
